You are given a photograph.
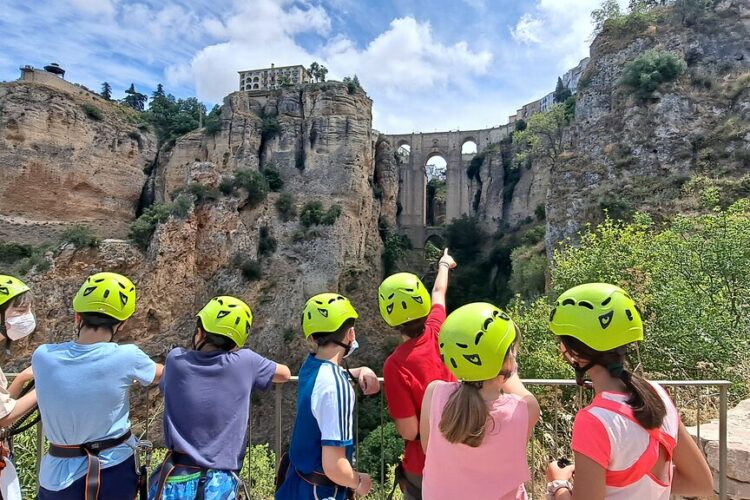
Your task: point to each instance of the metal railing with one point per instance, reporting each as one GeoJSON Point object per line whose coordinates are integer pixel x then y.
{"type": "Point", "coordinates": [708, 397]}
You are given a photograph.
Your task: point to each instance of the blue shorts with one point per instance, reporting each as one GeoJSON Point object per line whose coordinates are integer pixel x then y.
{"type": "Point", "coordinates": [119, 482]}
{"type": "Point", "coordinates": [183, 484]}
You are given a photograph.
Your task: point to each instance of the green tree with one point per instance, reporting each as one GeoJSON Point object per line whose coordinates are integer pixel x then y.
{"type": "Point", "coordinates": [562, 92]}
{"type": "Point", "coordinates": [134, 99]}
{"type": "Point", "coordinates": [543, 136]}
{"type": "Point", "coordinates": [173, 117]}
{"type": "Point", "coordinates": [609, 10]}
{"type": "Point", "coordinates": [691, 279]}
{"type": "Point", "coordinates": [106, 92]}
{"type": "Point", "coordinates": [213, 120]}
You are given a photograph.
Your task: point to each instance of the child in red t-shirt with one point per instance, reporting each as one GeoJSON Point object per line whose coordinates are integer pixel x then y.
{"type": "Point", "coordinates": [405, 305]}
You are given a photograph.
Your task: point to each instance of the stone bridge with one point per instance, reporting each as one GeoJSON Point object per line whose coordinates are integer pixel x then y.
{"type": "Point", "coordinates": [412, 196]}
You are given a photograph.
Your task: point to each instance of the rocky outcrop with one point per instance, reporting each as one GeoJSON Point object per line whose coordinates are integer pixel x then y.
{"type": "Point", "coordinates": [628, 153]}
{"type": "Point", "coordinates": [67, 158]}
{"type": "Point", "coordinates": [324, 149]}
{"type": "Point", "coordinates": [738, 447]}
{"type": "Point", "coordinates": [386, 181]}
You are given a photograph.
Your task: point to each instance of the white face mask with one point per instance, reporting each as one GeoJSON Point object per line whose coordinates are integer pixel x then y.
{"type": "Point", "coordinates": [20, 326]}
{"type": "Point", "coordinates": [352, 348]}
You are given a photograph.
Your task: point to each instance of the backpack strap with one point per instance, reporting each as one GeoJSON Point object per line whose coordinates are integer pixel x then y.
{"type": "Point", "coordinates": [657, 439]}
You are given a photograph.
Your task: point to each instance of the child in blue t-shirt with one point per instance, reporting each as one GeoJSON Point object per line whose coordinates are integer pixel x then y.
{"type": "Point", "coordinates": [207, 404]}
{"type": "Point", "coordinates": [83, 392]}
{"type": "Point", "coordinates": [322, 442]}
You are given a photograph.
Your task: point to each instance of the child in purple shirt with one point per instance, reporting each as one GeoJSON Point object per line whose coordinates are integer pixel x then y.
{"type": "Point", "coordinates": [207, 404]}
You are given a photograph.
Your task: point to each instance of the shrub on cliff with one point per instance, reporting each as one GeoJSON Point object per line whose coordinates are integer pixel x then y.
{"type": "Point", "coordinates": [286, 207]}
{"type": "Point", "coordinates": [92, 112]}
{"type": "Point", "coordinates": [273, 177]}
{"type": "Point", "coordinates": [80, 236]}
{"type": "Point", "coordinates": [141, 229]}
{"type": "Point", "coordinates": [253, 183]}
{"type": "Point", "coordinates": [647, 72]}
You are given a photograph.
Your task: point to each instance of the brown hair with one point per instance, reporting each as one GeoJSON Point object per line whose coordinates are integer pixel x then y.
{"type": "Point", "coordinates": [413, 328]}
{"type": "Point", "coordinates": [23, 300]}
{"type": "Point", "coordinates": [648, 407]}
{"type": "Point", "coordinates": [465, 415]}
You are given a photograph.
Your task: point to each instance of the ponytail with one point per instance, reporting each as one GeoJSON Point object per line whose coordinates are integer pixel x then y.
{"type": "Point", "coordinates": [465, 415]}
{"type": "Point", "coordinates": [648, 407]}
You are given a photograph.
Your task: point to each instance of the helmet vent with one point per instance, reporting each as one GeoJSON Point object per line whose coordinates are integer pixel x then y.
{"type": "Point", "coordinates": [462, 346]}
{"type": "Point", "coordinates": [487, 323]}
{"type": "Point", "coordinates": [504, 315]}
{"type": "Point", "coordinates": [474, 359]}
{"type": "Point", "coordinates": [309, 315]}
{"type": "Point", "coordinates": [122, 286]}
{"type": "Point", "coordinates": [410, 290]}
{"type": "Point", "coordinates": [331, 301]}
{"type": "Point", "coordinates": [552, 314]}
{"type": "Point", "coordinates": [418, 300]}
{"type": "Point", "coordinates": [99, 280]}
{"type": "Point", "coordinates": [606, 301]}
{"type": "Point", "coordinates": [4, 290]}
{"type": "Point", "coordinates": [123, 298]}
{"type": "Point", "coordinates": [478, 337]}
{"type": "Point", "coordinates": [222, 314]}
{"type": "Point", "coordinates": [237, 321]}
{"type": "Point", "coordinates": [88, 291]}
{"type": "Point", "coordinates": [391, 296]}
{"type": "Point", "coordinates": [442, 344]}
{"type": "Point", "coordinates": [569, 302]}
{"type": "Point", "coordinates": [323, 312]}
{"type": "Point", "coordinates": [221, 302]}
{"type": "Point", "coordinates": [585, 304]}
{"type": "Point", "coordinates": [629, 314]}
{"type": "Point", "coordinates": [606, 319]}
{"type": "Point", "coordinates": [106, 293]}
{"type": "Point", "coordinates": [453, 362]}
{"type": "Point", "coordinates": [389, 308]}
{"type": "Point", "coordinates": [403, 304]}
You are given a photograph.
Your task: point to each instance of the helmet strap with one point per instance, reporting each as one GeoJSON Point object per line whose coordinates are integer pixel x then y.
{"type": "Point", "coordinates": [581, 372]}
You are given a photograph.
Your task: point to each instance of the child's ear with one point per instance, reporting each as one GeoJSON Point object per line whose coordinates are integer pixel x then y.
{"type": "Point", "coordinates": [78, 320]}
{"type": "Point", "coordinates": [122, 325]}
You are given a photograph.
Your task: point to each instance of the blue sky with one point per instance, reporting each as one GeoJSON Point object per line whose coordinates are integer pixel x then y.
{"type": "Point", "coordinates": [427, 64]}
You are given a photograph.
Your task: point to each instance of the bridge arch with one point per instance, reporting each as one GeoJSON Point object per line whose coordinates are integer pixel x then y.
{"type": "Point", "coordinates": [412, 198]}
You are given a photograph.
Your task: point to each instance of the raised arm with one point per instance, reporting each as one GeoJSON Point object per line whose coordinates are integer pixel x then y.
{"type": "Point", "coordinates": [440, 287]}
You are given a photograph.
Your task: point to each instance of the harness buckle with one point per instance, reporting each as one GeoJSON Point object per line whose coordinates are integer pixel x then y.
{"type": "Point", "coordinates": [146, 448]}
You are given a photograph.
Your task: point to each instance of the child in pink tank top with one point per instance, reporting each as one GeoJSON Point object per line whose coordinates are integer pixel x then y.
{"type": "Point", "coordinates": [474, 432]}
{"type": "Point", "coordinates": [629, 443]}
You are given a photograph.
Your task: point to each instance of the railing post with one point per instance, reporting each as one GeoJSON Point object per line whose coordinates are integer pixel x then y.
{"type": "Point", "coordinates": [723, 442]}
{"type": "Point", "coordinates": [277, 409]}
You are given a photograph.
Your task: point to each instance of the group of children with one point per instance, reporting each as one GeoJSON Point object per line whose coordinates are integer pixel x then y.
{"type": "Point", "coordinates": [452, 388]}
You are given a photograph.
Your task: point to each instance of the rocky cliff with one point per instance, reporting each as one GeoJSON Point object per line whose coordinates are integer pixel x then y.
{"type": "Point", "coordinates": [67, 158]}
{"type": "Point", "coordinates": [322, 145]}
{"type": "Point", "coordinates": [627, 153]}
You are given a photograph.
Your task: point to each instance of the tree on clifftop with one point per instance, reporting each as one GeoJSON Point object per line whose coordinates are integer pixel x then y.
{"type": "Point", "coordinates": [561, 92]}
{"type": "Point", "coordinates": [543, 137]}
{"type": "Point", "coordinates": [135, 99]}
{"type": "Point", "coordinates": [106, 91]}
{"type": "Point", "coordinates": [317, 71]}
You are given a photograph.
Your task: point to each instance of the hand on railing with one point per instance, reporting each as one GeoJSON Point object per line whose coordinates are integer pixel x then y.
{"type": "Point", "coordinates": [367, 380]}
{"type": "Point", "coordinates": [365, 483]}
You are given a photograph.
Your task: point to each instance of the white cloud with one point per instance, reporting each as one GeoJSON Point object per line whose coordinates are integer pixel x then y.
{"type": "Point", "coordinates": [254, 36]}
{"type": "Point", "coordinates": [95, 7]}
{"type": "Point", "coordinates": [561, 27]}
{"type": "Point", "coordinates": [406, 58]}
{"type": "Point", "coordinates": [528, 29]}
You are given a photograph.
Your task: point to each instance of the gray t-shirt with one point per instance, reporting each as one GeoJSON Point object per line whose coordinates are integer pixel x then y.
{"type": "Point", "coordinates": [207, 403]}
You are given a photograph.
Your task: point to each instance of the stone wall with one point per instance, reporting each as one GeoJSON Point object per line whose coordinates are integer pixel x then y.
{"type": "Point", "coordinates": [738, 458]}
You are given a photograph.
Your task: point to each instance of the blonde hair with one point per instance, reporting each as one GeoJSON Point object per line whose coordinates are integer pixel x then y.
{"type": "Point", "coordinates": [465, 415]}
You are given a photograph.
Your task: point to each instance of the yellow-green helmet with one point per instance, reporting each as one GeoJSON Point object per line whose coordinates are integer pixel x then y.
{"type": "Point", "coordinates": [10, 288]}
{"type": "Point", "coordinates": [106, 293]}
{"type": "Point", "coordinates": [325, 313]}
{"type": "Point", "coordinates": [474, 341]}
{"type": "Point", "coordinates": [600, 315]}
{"type": "Point", "coordinates": [402, 297]}
{"type": "Point", "coordinates": [227, 316]}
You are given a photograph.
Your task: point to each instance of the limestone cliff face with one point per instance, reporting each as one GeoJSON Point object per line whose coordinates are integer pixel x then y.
{"type": "Point", "coordinates": [62, 164]}
{"type": "Point", "coordinates": [626, 153]}
{"type": "Point", "coordinates": [324, 150]}
{"type": "Point", "coordinates": [506, 196]}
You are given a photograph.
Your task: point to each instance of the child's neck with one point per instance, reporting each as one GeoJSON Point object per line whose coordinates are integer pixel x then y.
{"type": "Point", "coordinates": [604, 382]}
{"type": "Point", "coordinates": [94, 336]}
{"type": "Point", "coordinates": [492, 389]}
{"type": "Point", "coordinates": [330, 352]}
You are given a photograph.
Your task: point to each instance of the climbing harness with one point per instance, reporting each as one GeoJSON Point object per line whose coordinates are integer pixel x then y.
{"type": "Point", "coordinates": [175, 460]}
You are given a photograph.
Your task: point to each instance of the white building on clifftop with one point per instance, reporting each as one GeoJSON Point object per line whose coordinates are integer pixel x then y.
{"type": "Point", "coordinates": [273, 77]}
